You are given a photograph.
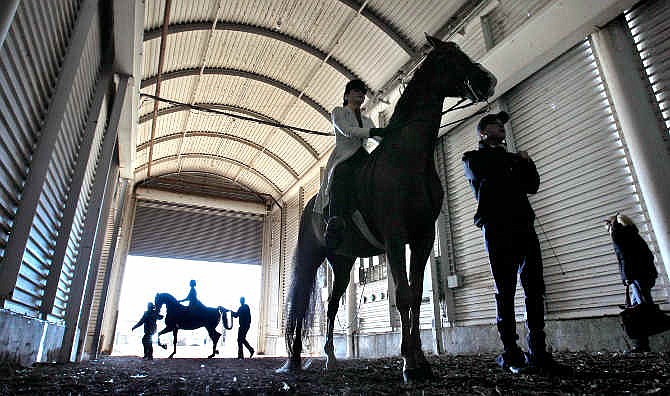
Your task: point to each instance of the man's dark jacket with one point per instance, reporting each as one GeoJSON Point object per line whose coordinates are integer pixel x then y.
{"type": "Point", "coordinates": [636, 261]}
{"type": "Point", "coordinates": [500, 181]}
{"type": "Point", "coordinates": [244, 313]}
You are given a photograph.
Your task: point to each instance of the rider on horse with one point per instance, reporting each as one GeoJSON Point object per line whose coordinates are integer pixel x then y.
{"type": "Point", "coordinates": [192, 298]}
{"type": "Point", "coordinates": [351, 129]}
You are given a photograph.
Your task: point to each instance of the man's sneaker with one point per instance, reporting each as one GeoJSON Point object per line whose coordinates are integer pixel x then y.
{"type": "Point", "coordinates": [546, 365]}
{"type": "Point", "coordinates": [252, 353]}
{"type": "Point", "coordinates": [512, 361]}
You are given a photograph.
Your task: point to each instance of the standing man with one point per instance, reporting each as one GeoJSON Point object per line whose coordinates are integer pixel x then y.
{"type": "Point", "coordinates": [244, 315]}
{"type": "Point", "coordinates": [501, 181]}
{"type": "Point", "coordinates": [149, 320]}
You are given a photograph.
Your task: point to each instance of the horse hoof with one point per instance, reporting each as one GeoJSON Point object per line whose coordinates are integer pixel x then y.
{"type": "Point", "coordinates": [163, 346]}
{"type": "Point", "coordinates": [290, 366]}
{"type": "Point", "coordinates": [410, 376]}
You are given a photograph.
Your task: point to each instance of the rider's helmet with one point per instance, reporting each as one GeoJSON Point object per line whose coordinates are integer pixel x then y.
{"type": "Point", "coordinates": [192, 283]}
{"type": "Point", "coordinates": [354, 84]}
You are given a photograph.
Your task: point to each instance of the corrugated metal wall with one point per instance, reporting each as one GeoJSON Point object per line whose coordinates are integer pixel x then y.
{"type": "Point", "coordinates": [111, 233]}
{"type": "Point", "coordinates": [291, 220]}
{"type": "Point", "coordinates": [510, 15]}
{"type": "Point", "coordinates": [37, 258]}
{"type": "Point", "coordinates": [563, 117]}
{"type": "Point", "coordinates": [196, 233]}
{"type": "Point", "coordinates": [28, 73]}
{"type": "Point", "coordinates": [649, 24]}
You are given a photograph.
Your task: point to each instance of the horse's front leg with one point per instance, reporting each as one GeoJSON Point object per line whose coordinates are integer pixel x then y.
{"type": "Point", "coordinates": [420, 251]}
{"type": "Point", "coordinates": [395, 251]}
{"type": "Point", "coordinates": [174, 343]}
{"type": "Point", "coordinates": [158, 339]}
{"type": "Point", "coordinates": [342, 270]}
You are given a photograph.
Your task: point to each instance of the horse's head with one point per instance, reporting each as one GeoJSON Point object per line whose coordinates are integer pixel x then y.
{"type": "Point", "coordinates": [459, 76]}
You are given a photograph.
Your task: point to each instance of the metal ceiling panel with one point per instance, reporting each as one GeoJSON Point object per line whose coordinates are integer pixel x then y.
{"type": "Point", "coordinates": [182, 51]}
{"type": "Point", "coordinates": [413, 18]}
{"type": "Point", "coordinates": [165, 125]}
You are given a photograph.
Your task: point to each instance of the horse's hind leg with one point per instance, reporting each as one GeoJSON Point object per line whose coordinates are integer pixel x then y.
{"type": "Point", "coordinates": [174, 343]}
{"type": "Point", "coordinates": [341, 269]}
{"type": "Point", "coordinates": [214, 335]}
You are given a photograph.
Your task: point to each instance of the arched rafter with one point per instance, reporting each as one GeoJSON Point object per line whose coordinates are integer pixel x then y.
{"type": "Point", "coordinates": [390, 31]}
{"type": "Point", "coordinates": [215, 158]}
{"type": "Point", "coordinates": [256, 146]}
{"type": "Point", "coordinates": [220, 71]}
{"type": "Point", "coordinates": [236, 109]}
{"type": "Point", "coordinates": [258, 30]}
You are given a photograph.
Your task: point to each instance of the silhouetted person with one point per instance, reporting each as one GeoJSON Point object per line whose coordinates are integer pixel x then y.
{"type": "Point", "coordinates": [636, 265]}
{"type": "Point", "coordinates": [192, 298]}
{"type": "Point", "coordinates": [501, 181]}
{"type": "Point", "coordinates": [149, 320]}
{"type": "Point", "coordinates": [244, 315]}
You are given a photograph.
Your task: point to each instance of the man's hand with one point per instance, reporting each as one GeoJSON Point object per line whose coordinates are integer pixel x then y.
{"type": "Point", "coordinates": [523, 155]}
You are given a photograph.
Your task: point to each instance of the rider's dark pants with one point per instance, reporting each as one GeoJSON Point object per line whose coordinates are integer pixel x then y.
{"type": "Point", "coordinates": [515, 249]}
{"type": "Point", "coordinates": [148, 347]}
{"type": "Point", "coordinates": [341, 198]}
{"type": "Point", "coordinates": [242, 340]}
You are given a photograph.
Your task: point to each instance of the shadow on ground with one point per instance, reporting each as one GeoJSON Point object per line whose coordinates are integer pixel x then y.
{"type": "Point", "coordinates": [599, 373]}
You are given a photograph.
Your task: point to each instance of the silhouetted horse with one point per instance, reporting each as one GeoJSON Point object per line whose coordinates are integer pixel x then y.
{"type": "Point", "coordinates": [179, 317]}
{"type": "Point", "coordinates": [399, 196]}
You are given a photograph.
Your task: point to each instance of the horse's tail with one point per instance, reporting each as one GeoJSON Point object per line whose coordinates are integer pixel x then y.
{"type": "Point", "coordinates": [302, 296]}
{"type": "Point", "coordinates": [224, 318]}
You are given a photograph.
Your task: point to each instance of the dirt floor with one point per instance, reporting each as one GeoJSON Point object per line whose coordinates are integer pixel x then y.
{"type": "Point", "coordinates": [600, 373]}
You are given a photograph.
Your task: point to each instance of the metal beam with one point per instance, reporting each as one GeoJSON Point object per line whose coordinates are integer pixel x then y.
{"type": "Point", "coordinates": [216, 158]}
{"type": "Point", "coordinates": [390, 31]}
{"type": "Point", "coordinates": [161, 62]}
{"type": "Point", "coordinates": [83, 263]}
{"type": "Point", "coordinates": [254, 145]}
{"type": "Point", "coordinates": [236, 109]}
{"type": "Point", "coordinates": [261, 31]}
{"type": "Point", "coordinates": [88, 153]}
{"type": "Point", "coordinates": [39, 166]}
{"type": "Point", "coordinates": [243, 74]}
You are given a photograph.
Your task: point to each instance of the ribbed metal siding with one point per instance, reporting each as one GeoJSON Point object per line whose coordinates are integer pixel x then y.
{"type": "Point", "coordinates": [473, 300]}
{"type": "Point", "coordinates": [111, 233]}
{"type": "Point", "coordinates": [510, 15]}
{"type": "Point", "coordinates": [28, 74]}
{"type": "Point", "coordinates": [563, 118]}
{"type": "Point", "coordinates": [292, 225]}
{"type": "Point", "coordinates": [194, 233]}
{"type": "Point", "coordinates": [44, 231]}
{"type": "Point", "coordinates": [649, 24]}
{"type": "Point", "coordinates": [275, 268]}
{"type": "Point", "coordinates": [62, 293]}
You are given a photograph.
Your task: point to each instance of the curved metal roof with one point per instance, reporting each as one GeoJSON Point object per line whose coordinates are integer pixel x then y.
{"type": "Point", "coordinates": [277, 61]}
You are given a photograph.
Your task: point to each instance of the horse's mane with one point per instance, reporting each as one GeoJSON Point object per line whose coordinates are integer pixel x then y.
{"type": "Point", "coordinates": [416, 87]}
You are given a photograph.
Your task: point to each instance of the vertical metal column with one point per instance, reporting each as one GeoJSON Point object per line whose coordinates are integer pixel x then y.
{"type": "Point", "coordinates": [266, 266]}
{"type": "Point", "coordinates": [82, 265]}
{"type": "Point", "coordinates": [26, 211]}
{"type": "Point", "coordinates": [7, 11]}
{"type": "Point", "coordinates": [85, 156]}
{"type": "Point", "coordinates": [641, 129]}
{"type": "Point", "coordinates": [111, 303]}
{"type": "Point", "coordinates": [108, 270]}
{"type": "Point", "coordinates": [103, 218]}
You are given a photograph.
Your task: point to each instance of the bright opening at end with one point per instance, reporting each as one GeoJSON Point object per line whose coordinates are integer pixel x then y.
{"type": "Point", "coordinates": [217, 284]}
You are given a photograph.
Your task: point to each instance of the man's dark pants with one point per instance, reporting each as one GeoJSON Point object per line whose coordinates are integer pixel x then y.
{"type": "Point", "coordinates": [148, 347]}
{"type": "Point", "coordinates": [515, 249]}
{"type": "Point", "coordinates": [242, 340]}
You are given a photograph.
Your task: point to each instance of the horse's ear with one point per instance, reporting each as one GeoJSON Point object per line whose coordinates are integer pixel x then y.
{"type": "Point", "coordinates": [433, 41]}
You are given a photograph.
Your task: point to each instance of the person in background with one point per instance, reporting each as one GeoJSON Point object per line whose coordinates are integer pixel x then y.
{"type": "Point", "coordinates": [149, 321]}
{"type": "Point", "coordinates": [501, 181]}
{"type": "Point", "coordinates": [636, 266]}
{"type": "Point", "coordinates": [244, 315]}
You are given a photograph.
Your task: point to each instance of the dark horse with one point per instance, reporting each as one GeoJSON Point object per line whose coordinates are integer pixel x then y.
{"type": "Point", "coordinates": [190, 318]}
{"type": "Point", "coordinates": [399, 196]}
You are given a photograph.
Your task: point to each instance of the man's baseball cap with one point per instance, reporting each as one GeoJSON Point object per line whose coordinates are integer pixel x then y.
{"type": "Point", "coordinates": [501, 117]}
